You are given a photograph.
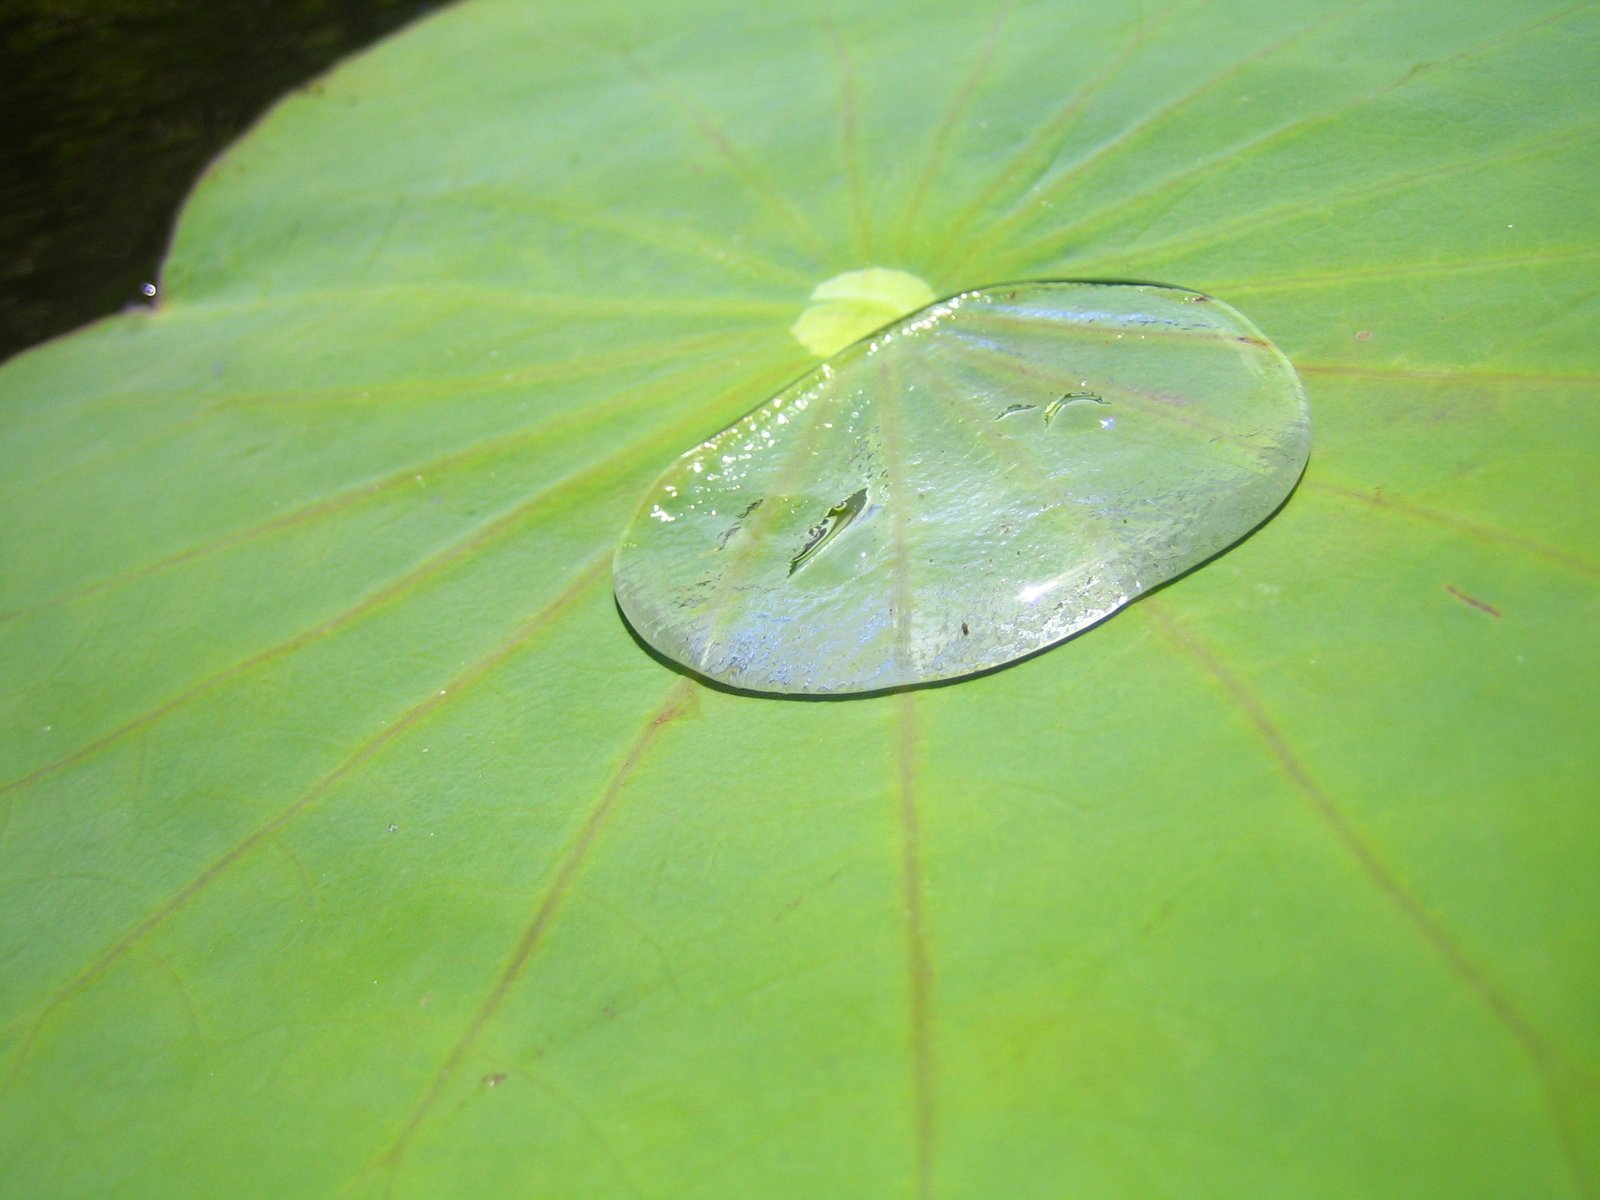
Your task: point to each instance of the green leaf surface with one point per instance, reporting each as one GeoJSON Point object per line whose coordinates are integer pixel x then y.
{"type": "Point", "coordinates": [350, 846]}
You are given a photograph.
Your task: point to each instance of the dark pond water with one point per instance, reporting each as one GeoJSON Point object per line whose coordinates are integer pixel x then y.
{"type": "Point", "coordinates": [109, 109]}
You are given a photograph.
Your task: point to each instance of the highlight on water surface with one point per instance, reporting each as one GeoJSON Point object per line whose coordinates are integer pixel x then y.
{"type": "Point", "coordinates": [978, 480]}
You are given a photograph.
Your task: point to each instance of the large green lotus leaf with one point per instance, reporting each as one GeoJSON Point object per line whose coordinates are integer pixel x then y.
{"type": "Point", "coordinates": [351, 845]}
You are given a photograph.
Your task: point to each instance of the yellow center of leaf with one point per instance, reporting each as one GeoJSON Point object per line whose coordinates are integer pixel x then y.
{"type": "Point", "coordinates": [848, 307]}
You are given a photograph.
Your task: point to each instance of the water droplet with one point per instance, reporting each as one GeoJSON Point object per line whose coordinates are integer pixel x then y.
{"type": "Point", "coordinates": [832, 524]}
{"type": "Point", "coordinates": [1067, 398]}
{"type": "Point", "coordinates": [929, 539]}
{"type": "Point", "coordinates": [149, 289]}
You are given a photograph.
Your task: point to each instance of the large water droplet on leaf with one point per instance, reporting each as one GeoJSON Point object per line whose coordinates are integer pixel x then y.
{"type": "Point", "coordinates": [979, 480]}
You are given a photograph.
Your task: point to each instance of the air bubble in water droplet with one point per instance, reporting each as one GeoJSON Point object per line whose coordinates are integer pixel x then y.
{"type": "Point", "coordinates": [931, 539]}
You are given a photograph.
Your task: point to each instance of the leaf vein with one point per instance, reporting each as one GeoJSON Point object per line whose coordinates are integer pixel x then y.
{"type": "Point", "coordinates": [680, 701]}
{"type": "Point", "coordinates": [267, 833]}
{"type": "Point", "coordinates": [1132, 134]}
{"type": "Point", "coordinates": [919, 961]}
{"type": "Point", "coordinates": [478, 539]}
{"type": "Point", "coordinates": [1540, 1055]}
{"type": "Point", "coordinates": [353, 497]}
{"type": "Point", "coordinates": [1475, 530]}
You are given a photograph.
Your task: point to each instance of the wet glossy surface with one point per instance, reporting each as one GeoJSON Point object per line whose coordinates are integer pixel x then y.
{"type": "Point", "coordinates": [976, 482]}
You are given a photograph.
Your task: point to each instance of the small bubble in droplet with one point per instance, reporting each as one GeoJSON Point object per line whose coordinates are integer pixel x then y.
{"type": "Point", "coordinates": [149, 289]}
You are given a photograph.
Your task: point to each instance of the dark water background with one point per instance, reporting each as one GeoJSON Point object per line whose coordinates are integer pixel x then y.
{"type": "Point", "coordinates": [109, 109]}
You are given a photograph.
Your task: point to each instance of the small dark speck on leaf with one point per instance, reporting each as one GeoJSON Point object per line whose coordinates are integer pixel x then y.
{"type": "Point", "coordinates": [1481, 605]}
{"type": "Point", "coordinates": [1363, 335]}
{"type": "Point", "coordinates": [964, 630]}
{"type": "Point", "coordinates": [494, 1080]}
